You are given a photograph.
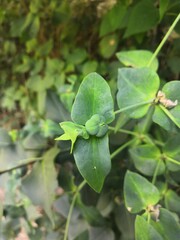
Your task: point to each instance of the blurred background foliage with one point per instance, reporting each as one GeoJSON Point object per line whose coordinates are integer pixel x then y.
{"type": "Point", "coordinates": [46, 48]}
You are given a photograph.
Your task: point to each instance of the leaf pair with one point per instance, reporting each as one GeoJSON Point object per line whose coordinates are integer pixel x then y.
{"type": "Point", "coordinates": [91, 112]}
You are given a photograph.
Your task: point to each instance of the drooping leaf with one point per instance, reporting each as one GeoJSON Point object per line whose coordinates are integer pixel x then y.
{"type": "Point", "coordinates": [146, 159]}
{"type": "Point", "coordinates": [41, 183]}
{"type": "Point", "coordinates": [72, 131]}
{"type": "Point", "coordinates": [139, 193]}
{"type": "Point", "coordinates": [92, 158]}
{"type": "Point", "coordinates": [171, 91]}
{"type": "Point", "coordinates": [145, 231]}
{"type": "Point", "coordinates": [144, 16]}
{"type": "Point", "coordinates": [136, 86]}
{"type": "Point", "coordinates": [137, 58]}
{"type": "Point", "coordinates": [168, 225]}
{"type": "Point", "coordinates": [93, 97]}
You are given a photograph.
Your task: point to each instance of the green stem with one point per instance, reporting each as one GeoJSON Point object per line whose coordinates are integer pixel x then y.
{"type": "Point", "coordinates": [168, 113]}
{"type": "Point", "coordinates": [123, 131]}
{"type": "Point", "coordinates": [148, 217]}
{"type": "Point", "coordinates": [147, 121]}
{"type": "Point", "coordinates": [164, 39]}
{"type": "Point", "coordinates": [134, 106]}
{"type": "Point", "coordinates": [22, 163]}
{"type": "Point", "coordinates": [72, 207]}
{"type": "Point", "coordinates": [156, 172]}
{"type": "Point", "coordinates": [122, 147]}
{"type": "Point", "coordinates": [172, 160]}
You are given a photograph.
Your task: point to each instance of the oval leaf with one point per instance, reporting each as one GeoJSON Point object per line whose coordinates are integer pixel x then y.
{"type": "Point", "coordinates": [146, 158]}
{"type": "Point", "coordinates": [136, 86]}
{"type": "Point", "coordinates": [137, 58]}
{"type": "Point", "coordinates": [145, 231]}
{"type": "Point", "coordinates": [139, 193]}
{"type": "Point", "coordinates": [93, 160]}
{"type": "Point", "coordinates": [93, 97]}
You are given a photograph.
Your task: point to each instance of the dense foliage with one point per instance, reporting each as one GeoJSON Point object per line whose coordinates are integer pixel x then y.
{"type": "Point", "coordinates": [50, 51]}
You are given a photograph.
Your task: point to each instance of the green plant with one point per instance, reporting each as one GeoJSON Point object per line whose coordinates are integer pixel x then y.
{"type": "Point", "coordinates": [47, 48]}
{"type": "Point", "coordinates": [139, 97]}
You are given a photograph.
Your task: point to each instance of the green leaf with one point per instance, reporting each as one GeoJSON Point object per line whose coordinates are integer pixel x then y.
{"type": "Point", "coordinates": [139, 193]}
{"type": "Point", "coordinates": [72, 131]}
{"type": "Point", "coordinates": [146, 159]}
{"type": "Point", "coordinates": [108, 45]}
{"type": "Point", "coordinates": [41, 183]}
{"type": "Point", "coordinates": [93, 97]}
{"type": "Point", "coordinates": [92, 215]}
{"type": "Point", "coordinates": [136, 86]}
{"type": "Point", "coordinates": [171, 149]}
{"type": "Point", "coordinates": [100, 233]}
{"type": "Point", "coordinates": [171, 91]}
{"type": "Point", "coordinates": [168, 225]}
{"type": "Point", "coordinates": [137, 58]}
{"type": "Point", "coordinates": [163, 7]}
{"type": "Point", "coordinates": [93, 160]}
{"type": "Point", "coordinates": [143, 17]}
{"type": "Point", "coordinates": [172, 201]}
{"type": "Point", "coordinates": [111, 21]}
{"type": "Point", "coordinates": [145, 231]}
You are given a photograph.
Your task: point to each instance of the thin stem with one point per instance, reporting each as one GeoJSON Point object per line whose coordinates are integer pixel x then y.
{"type": "Point", "coordinates": [121, 148]}
{"type": "Point", "coordinates": [72, 207]}
{"type": "Point", "coordinates": [156, 172]}
{"type": "Point", "coordinates": [22, 163]}
{"type": "Point", "coordinates": [134, 106]}
{"type": "Point", "coordinates": [164, 39]}
{"type": "Point", "coordinates": [123, 131]}
{"type": "Point", "coordinates": [168, 113]}
{"type": "Point", "coordinates": [148, 217]}
{"type": "Point", "coordinates": [172, 160]}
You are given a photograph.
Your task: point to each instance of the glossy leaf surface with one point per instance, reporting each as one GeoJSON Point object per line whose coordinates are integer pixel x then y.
{"type": "Point", "coordinates": [93, 97]}
{"type": "Point", "coordinates": [92, 158]}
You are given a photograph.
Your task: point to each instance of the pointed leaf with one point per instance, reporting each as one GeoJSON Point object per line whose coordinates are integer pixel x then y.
{"type": "Point", "coordinates": [136, 86]}
{"type": "Point", "coordinates": [137, 58]}
{"type": "Point", "coordinates": [171, 91]}
{"type": "Point", "coordinates": [145, 231]}
{"type": "Point", "coordinates": [146, 158]}
{"type": "Point", "coordinates": [93, 160]}
{"type": "Point", "coordinates": [41, 183]}
{"type": "Point", "coordinates": [72, 131]}
{"type": "Point", "coordinates": [93, 97]}
{"type": "Point", "coordinates": [139, 193]}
